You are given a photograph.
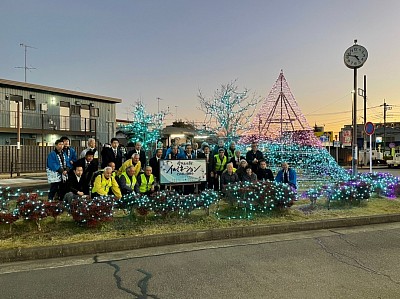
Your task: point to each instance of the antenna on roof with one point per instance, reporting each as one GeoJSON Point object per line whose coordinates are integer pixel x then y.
{"type": "Point", "coordinates": [25, 67]}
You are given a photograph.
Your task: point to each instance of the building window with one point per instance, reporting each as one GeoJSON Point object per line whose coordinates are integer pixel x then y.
{"type": "Point", "coordinates": [94, 112]}
{"type": "Point", "coordinates": [64, 104]}
{"type": "Point", "coordinates": [29, 104]}
{"type": "Point", "coordinates": [75, 110]}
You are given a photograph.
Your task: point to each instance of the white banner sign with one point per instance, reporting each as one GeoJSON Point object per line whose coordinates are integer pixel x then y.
{"type": "Point", "coordinates": [346, 137]}
{"type": "Point", "coordinates": [182, 171]}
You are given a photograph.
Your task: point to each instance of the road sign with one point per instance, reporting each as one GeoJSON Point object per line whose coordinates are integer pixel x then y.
{"type": "Point", "coordinates": [369, 128]}
{"type": "Point", "coordinates": [336, 144]}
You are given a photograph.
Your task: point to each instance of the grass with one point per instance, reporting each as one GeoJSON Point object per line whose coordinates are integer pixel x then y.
{"type": "Point", "coordinates": [65, 230]}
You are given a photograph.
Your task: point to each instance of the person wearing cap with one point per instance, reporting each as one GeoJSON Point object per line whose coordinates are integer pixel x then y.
{"type": "Point", "coordinates": [219, 164]}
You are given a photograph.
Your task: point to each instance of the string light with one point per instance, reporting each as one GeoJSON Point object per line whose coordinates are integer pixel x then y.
{"type": "Point", "coordinates": [145, 127]}
{"type": "Point", "coordinates": [247, 198]}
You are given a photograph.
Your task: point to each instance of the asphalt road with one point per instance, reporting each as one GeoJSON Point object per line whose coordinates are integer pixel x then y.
{"type": "Point", "coordinates": [362, 262]}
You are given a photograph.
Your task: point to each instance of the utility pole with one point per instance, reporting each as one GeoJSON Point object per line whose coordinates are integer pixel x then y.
{"type": "Point", "coordinates": [158, 105]}
{"type": "Point", "coordinates": [363, 93]}
{"type": "Point", "coordinates": [158, 109]}
{"type": "Point", "coordinates": [25, 67]}
{"type": "Point", "coordinates": [385, 108]}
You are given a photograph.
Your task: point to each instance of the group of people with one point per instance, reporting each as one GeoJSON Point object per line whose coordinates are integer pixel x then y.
{"type": "Point", "coordinates": [71, 177]}
{"type": "Point", "coordinates": [125, 172]}
{"type": "Point", "coordinates": [227, 166]}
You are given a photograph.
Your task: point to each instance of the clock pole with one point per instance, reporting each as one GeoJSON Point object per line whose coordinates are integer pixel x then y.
{"type": "Point", "coordinates": [354, 58]}
{"type": "Point", "coordinates": [354, 143]}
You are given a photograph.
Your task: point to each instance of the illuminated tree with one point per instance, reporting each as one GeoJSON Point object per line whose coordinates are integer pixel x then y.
{"type": "Point", "coordinates": [145, 127]}
{"type": "Point", "coordinates": [229, 110]}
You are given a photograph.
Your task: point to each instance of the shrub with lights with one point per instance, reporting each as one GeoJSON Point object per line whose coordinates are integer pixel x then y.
{"type": "Point", "coordinates": [313, 194]}
{"type": "Point", "coordinates": [260, 196]}
{"type": "Point", "coordinates": [164, 203]}
{"type": "Point", "coordinates": [31, 208]}
{"type": "Point", "coordinates": [53, 208]}
{"type": "Point", "coordinates": [191, 202]}
{"type": "Point", "coordinates": [382, 184]}
{"type": "Point", "coordinates": [349, 192]}
{"type": "Point", "coordinates": [92, 212]}
{"type": "Point", "coordinates": [6, 215]}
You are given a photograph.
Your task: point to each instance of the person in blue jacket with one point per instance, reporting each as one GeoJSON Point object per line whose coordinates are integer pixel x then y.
{"type": "Point", "coordinates": [57, 171]}
{"type": "Point", "coordinates": [188, 153]}
{"type": "Point", "coordinates": [287, 175]}
{"type": "Point", "coordinates": [169, 150]}
{"type": "Point", "coordinates": [69, 152]}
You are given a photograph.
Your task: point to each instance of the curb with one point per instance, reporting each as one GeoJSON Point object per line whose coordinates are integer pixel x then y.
{"type": "Point", "coordinates": [95, 247]}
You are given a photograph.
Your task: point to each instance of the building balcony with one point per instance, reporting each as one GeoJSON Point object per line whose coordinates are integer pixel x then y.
{"type": "Point", "coordinates": [33, 122]}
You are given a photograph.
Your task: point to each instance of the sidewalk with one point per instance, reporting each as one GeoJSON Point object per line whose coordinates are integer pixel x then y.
{"type": "Point", "coordinates": [26, 180]}
{"type": "Point", "coordinates": [132, 243]}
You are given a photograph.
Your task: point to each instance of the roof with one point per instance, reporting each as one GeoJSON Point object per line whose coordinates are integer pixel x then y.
{"type": "Point", "coordinates": [57, 90]}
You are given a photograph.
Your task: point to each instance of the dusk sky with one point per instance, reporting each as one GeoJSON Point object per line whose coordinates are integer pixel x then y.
{"type": "Point", "coordinates": [170, 49]}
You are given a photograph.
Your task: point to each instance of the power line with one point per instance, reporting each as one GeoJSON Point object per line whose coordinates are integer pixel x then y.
{"type": "Point", "coordinates": [340, 112]}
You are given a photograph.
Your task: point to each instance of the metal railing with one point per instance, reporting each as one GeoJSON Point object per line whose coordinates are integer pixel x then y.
{"type": "Point", "coordinates": [37, 120]}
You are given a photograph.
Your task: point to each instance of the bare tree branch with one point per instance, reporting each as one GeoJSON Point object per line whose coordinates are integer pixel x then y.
{"type": "Point", "coordinates": [229, 109]}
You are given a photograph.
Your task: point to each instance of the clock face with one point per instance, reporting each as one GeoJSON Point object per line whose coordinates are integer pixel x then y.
{"type": "Point", "coordinates": [355, 56]}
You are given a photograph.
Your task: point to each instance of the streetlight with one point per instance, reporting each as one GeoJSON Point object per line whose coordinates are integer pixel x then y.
{"type": "Point", "coordinates": [18, 100]}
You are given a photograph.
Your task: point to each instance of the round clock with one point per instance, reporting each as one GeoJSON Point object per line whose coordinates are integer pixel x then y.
{"type": "Point", "coordinates": [355, 56]}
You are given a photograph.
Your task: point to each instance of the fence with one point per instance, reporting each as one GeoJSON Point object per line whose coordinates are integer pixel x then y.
{"type": "Point", "coordinates": [33, 158]}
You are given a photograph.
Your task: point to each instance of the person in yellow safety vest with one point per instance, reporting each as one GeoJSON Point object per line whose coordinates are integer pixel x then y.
{"type": "Point", "coordinates": [146, 181]}
{"type": "Point", "coordinates": [112, 165]}
{"type": "Point", "coordinates": [104, 182]}
{"type": "Point", "coordinates": [127, 181]}
{"type": "Point", "coordinates": [135, 161]}
{"type": "Point", "coordinates": [220, 162]}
